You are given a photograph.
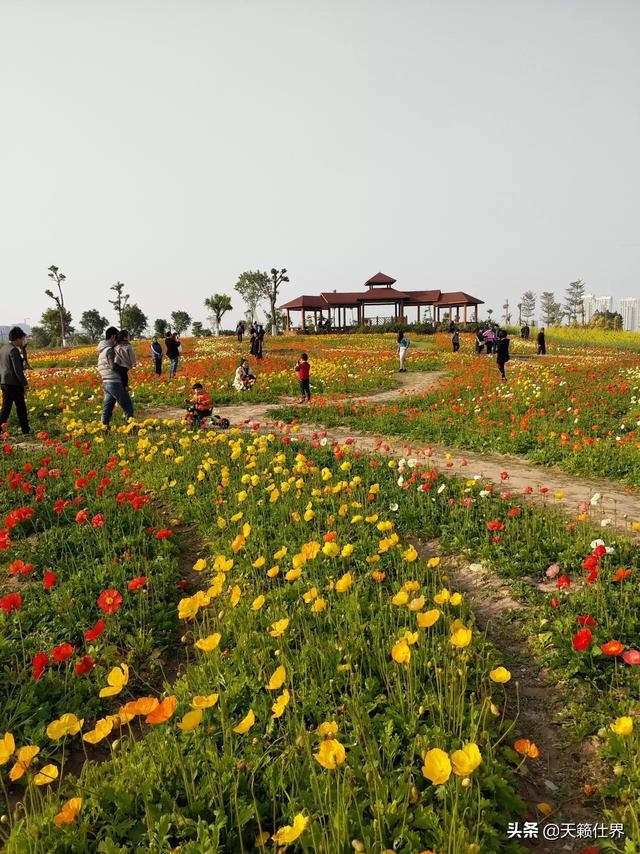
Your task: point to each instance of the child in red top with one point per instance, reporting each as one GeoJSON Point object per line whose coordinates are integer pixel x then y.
{"type": "Point", "coordinates": [200, 404]}
{"type": "Point", "coordinates": [303, 369]}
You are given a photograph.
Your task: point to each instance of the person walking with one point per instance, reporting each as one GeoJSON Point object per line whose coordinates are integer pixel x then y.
{"type": "Point", "coordinates": [502, 352]}
{"type": "Point", "coordinates": [403, 346]}
{"type": "Point", "coordinates": [112, 386]}
{"type": "Point", "coordinates": [173, 353]}
{"type": "Point", "coordinates": [125, 358]}
{"type": "Point", "coordinates": [156, 355]}
{"type": "Point", "coordinates": [455, 340]}
{"type": "Point", "coordinates": [240, 330]}
{"type": "Point", "coordinates": [13, 381]}
{"type": "Point", "coordinates": [542, 343]}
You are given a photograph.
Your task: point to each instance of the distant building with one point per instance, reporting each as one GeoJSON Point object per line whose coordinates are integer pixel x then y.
{"type": "Point", "coordinates": [4, 331]}
{"type": "Point", "coordinates": [630, 311]}
{"type": "Point", "coordinates": [591, 305]}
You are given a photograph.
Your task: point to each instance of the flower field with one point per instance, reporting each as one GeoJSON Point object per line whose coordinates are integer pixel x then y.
{"type": "Point", "coordinates": [247, 640]}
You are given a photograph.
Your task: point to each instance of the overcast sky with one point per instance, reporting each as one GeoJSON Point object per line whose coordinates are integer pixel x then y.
{"type": "Point", "coordinates": [485, 146]}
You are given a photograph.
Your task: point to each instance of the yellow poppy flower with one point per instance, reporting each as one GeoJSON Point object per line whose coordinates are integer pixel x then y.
{"type": "Point", "coordinates": [191, 720]}
{"type": "Point", "coordinates": [101, 729]}
{"type": "Point", "coordinates": [118, 677]}
{"type": "Point", "coordinates": [622, 726]}
{"type": "Point", "coordinates": [204, 701]}
{"type": "Point", "coordinates": [290, 832]}
{"type": "Point", "coordinates": [278, 628]}
{"type": "Point", "coordinates": [330, 754]}
{"type": "Point", "coordinates": [428, 618]}
{"type": "Point", "coordinates": [310, 595]}
{"type": "Point", "coordinates": [280, 553]}
{"type": "Point", "coordinates": [280, 704]}
{"type": "Point", "coordinates": [331, 549]}
{"type": "Point", "coordinates": [400, 652]}
{"type": "Point", "coordinates": [277, 678]}
{"type": "Point", "coordinates": [319, 606]}
{"type": "Point", "coordinates": [23, 761]}
{"type": "Point", "coordinates": [327, 729]}
{"type": "Point", "coordinates": [46, 775]}
{"type": "Point", "coordinates": [442, 597]}
{"type": "Point", "coordinates": [433, 562]}
{"type": "Point", "coordinates": [258, 563]}
{"type": "Point", "coordinates": [466, 761]}
{"type": "Point", "coordinates": [7, 747]}
{"type": "Point", "coordinates": [68, 724]}
{"type": "Point", "coordinates": [200, 564]}
{"type": "Point", "coordinates": [257, 603]}
{"type": "Point", "coordinates": [344, 584]}
{"type": "Point", "coordinates": [347, 550]}
{"type": "Point", "coordinates": [68, 813]}
{"type": "Point", "coordinates": [401, 598]}
{"type": "Point", "coordinates": [416, 604]}
{"type": "Point", "coordinates": [410, 554]}
{"type": "Point", "coordinates": [500, 675]}
{"type": "Point", "coordinates": [461, 638]}
{"type": "Point", "coordinates": [246, 723]}
{"type": "Point", "coordinates": [456, 599]}
{"type": "Point", "coordinates": [292, 575]}
{"type": "Point", "coordinates": [271, 573]}
{"type": "Point", "coordinates": [236, 593]}
{"type": "Point", "coordinates": [437, 766]}
{"type": "Point", "coordinates": [209, 643]}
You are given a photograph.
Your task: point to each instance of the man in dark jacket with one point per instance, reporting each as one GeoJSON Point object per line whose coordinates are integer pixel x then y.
{"type": "Point", "coordinates": [12, 379]}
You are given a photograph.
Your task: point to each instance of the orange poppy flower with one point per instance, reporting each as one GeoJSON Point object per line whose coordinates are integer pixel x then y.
{"type": "Point", "coordinates": [525, 747]}
{"type": "Point", "coordinates": [612, 647]}
{"type": "Point", "coordinates": [162, 711]}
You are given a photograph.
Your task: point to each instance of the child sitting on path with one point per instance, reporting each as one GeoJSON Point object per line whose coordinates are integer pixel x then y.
{"type": "Point", "coordinates": [303, 369]}
{"type": "Point", "coordinates": [200, 404]}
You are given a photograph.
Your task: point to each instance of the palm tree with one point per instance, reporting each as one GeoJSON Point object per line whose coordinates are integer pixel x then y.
{"type": "Point", "coordinates": [218, 305]}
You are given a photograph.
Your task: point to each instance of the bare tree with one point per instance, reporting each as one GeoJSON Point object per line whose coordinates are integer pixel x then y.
{"type": "Point", "coordinates": [58, 278]}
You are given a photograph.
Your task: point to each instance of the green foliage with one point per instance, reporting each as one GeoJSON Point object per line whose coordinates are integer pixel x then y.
{"type": "Point", "coordinates": [218, 305]}
{"type": "Point", "coordinates": [93, 324]}
{"type": "Point", "coordinates": [180, 321]}
{"type": "Point", "coordinates": [135, 320]}
{"type": "Point", "coordinates": [160, 327]}
{"type": "Point", "coordinates": [119, 302]}
{"type": "Point", "coordinates": [252, 285]}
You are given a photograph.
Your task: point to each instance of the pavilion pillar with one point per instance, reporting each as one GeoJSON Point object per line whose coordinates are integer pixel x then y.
{"type": "Point", "coordinates": [476, 313]}
{"type": "Point", "coordinates": [303, 321]}
{"type": "Point", "coordinates": [465, 314]}
{"type": "Point", "coordinates": [418, 314]}
{"type": "Point", "coordinates": [288, 320]}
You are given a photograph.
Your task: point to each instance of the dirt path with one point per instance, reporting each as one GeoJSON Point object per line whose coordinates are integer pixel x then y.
{"type": "Point", "coordinates": [609, 503]}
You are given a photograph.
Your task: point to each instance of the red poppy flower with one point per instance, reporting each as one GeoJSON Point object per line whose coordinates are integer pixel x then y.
{"type": "Point", "coordinates": [109, 601]}
{"type": "Point", "coordinates": [39, 664]}
{"type": "Point", "coordinates": [632, 657]}
{"type": "Point", "coordinates": [592, 575]}
{"type": "Point", "coordinates": [582, 640]}
{"type": "Point", "coordinates": [495, 540]}
{"type": "Point", "coordinates": [528, 490]}
{"type": "Point", "coordinates": [137, 583]}
{"type": "Point", "coordinates": [589, 563]}
{"type": "Point", "coordinates": [495, 525]}
{"type": "Point", "coordinates": [612, 647]}
{"type": "Point", "coordinates": [11, 602]}
{"type": "Point", "coordinates": [554, 602]}
{"type": "Point", "coordinates": [504, 475]}
{"type": "Point", "coordinates": [84, 665]}
{"type": "Point", "coordinates": [599, 551]}
{"type": "Point", "coordinates": [62, 652]}
{"type": "Point", "coordinates": [621, 574]}
{"type": "Point", "coordinates": [82, 516]}
{"type": "Point", "coordinates": [182, 584]}
{"type": "Point", "coordinates": [50, 579]}
{"type": "Point", "coordinates": [19, 567]}
{"type": "Point", "coordinates": [96, 631]}
{"type": "Point", "coordinates": [163, 533]}
{"type": "Point", "coordinates": [563, 581]}
{"type": "Point", "coordinates": [98, 520]}
{"type": "Point", "coordinates": [586, 620]}
{"type": "Point", "coordinates": [515, 511]}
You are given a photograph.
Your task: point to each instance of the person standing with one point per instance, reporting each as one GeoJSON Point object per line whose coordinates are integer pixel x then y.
{"type": "Point", "coordinates": [502, 352]}
{"type": "Point", "coordinates": [240, 330]}
{"type": "Point", "coordinates": [125, 358]}
{"type": "Point", "coordinates": [156, 355]}
{"type": "Point", "coordinates": [489, 338]}
{"type": "Point", "coordinates": [479, 342]}
{"type": "Point", "coordinates": [112, 386]}
{"type": "Point", "coordinates": [542, 344]}
{"type": "Point", "coordinates": [173, 353]}
{"type": "Point", "coordinates": [259, 340]}
{"type": "Point", "coordinates": [13, 381]}
{"type": "Point", "coordinates": [455, 340]}
{"type": "Point", "coordinates": [403, 346]}
{"type": "Point", "coordinates": [303, 369]}
{"type": "Point", "coordinates": [253, 339]}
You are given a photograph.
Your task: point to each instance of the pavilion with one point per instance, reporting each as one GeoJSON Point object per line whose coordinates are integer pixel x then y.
{"type": "Point", "coordinates": [380, 291]}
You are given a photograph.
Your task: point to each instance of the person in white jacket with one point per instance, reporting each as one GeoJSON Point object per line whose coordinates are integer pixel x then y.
{"type": "Point", "coordinates": [124, 356]}
{"type": "Point", "coordinates": [244, 377]}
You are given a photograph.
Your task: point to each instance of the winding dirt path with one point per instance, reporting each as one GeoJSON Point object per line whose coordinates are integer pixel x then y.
{"type": "Point", "coordinates": [609, 503]}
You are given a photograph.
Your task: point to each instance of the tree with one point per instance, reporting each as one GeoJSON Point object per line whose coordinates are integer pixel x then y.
{"type": "Point", "coordinates": [276, 278]}
{"type": "Point", "coordinates": [58, 277]}
{"type": "Point", "coordinates": [606, 320]}
{"type": "Point", "coordinates": [528, 306]}
{"type": "Point", "coordinates": [550, 310]}
{"type": "Point", "coordinates": [574, 301]}
{"type": "Point", "coordinates": [119, 302]}
{"type": "Point", "coordinates": [252, 287]}
{"type": "Point", "coordinates": [135, 320]}
{"type": "Point", "coordinates": [218, 305]}
{"type": "Point", "coordinates": [93, 323]}
{"type": "Point", "coordinates": [51, 326]}
{"type": "Point", "coordinates": [160, 327]}
{"type": "Point", "coordinates": [198, 329]}
{"type": "Point", "coordinates": [180, 321]}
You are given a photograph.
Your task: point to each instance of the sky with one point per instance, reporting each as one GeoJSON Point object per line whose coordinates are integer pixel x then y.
{"type": "Point", "coordinates": [172, 144]}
